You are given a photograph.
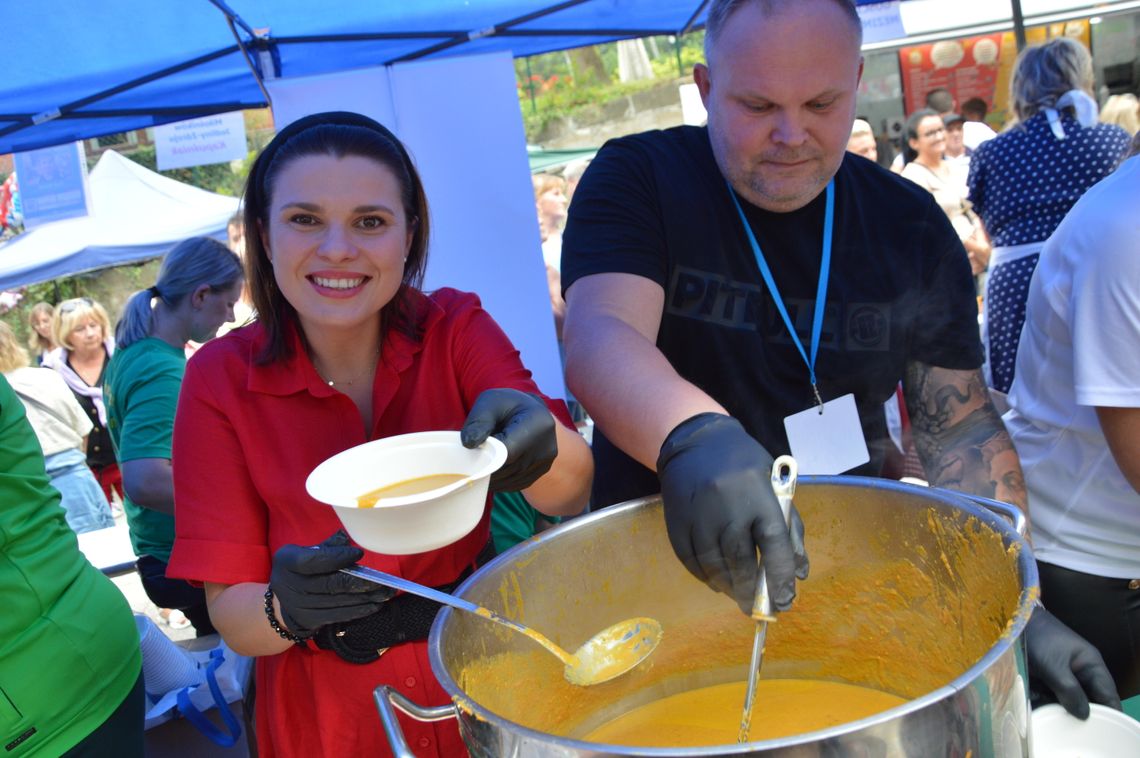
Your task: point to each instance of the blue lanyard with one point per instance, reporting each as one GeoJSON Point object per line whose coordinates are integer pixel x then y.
{"type": "Point", "coordinates": [821, 289]}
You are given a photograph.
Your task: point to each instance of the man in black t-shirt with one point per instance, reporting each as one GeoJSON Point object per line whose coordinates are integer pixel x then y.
{"type": "Point", "coordinates": [709, 307]}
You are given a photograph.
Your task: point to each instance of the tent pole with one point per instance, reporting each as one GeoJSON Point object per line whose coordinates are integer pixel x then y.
{"type": "Point", "coordinates": [1018, 24]}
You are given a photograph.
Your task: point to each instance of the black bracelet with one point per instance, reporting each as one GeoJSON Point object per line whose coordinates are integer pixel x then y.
{"type": "Point", "coordinates": [282, 632]}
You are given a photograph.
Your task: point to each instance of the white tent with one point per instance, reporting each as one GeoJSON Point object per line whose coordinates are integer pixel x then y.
{"type": "Point", "coordinates": [136, 214]}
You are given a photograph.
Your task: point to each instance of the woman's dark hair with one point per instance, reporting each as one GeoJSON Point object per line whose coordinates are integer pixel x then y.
{"type": "Point", "coordinates": [910, 131]}
{"type": "Point", "coordinates": [337, 134]}
{"type": "Point", "coordinates": [189, 265]}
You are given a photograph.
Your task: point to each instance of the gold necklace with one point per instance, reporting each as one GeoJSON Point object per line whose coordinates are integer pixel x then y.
{"type": "Point", "coordinates": [348, 382]}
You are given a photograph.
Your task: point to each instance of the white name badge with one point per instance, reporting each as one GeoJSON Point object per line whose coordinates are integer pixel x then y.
{"type": "Point", "coordinates": [830, 442]}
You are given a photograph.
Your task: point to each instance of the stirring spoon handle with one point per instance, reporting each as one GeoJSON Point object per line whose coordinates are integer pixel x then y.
{"type": "Point", "coordinates": [399, 583]}
{"type": "Point", "coordinates": [784, 470]}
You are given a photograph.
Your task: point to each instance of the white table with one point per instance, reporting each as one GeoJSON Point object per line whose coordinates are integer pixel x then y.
{"type": "Point", "coordinates": [109, 550]}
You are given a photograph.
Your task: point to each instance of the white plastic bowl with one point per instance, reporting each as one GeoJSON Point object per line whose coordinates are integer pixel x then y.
{"type": "Point", "coordinates": [1107, 733]}
{"type": "Point", "coordinates": [412, 523]}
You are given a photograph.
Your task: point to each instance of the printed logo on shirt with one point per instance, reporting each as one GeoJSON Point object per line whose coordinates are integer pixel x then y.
{"type": "Point", "coordinates": [715, 299]}
{"type": "Point", "coordinates": [868, 326]}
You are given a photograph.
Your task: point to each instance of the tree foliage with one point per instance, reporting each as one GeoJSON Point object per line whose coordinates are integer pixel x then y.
{"type": "Point", "coordinates": [556, 85]}
{"type": "Point", "coordinates": [215, 177]}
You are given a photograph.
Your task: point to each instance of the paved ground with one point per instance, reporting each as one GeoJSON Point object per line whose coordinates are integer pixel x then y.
{"type": "Point", "coordinates": [130, 585]}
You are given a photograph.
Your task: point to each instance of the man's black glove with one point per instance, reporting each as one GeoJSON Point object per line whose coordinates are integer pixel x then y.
{"type": "Point", "coordinates": [311, 590]}
{"type": "Point", "coordinates": [523, 423]}
{"type": "Point", "coordinates": [719, 508]}
{"type": "Point", "coordinates": [1067, 665]}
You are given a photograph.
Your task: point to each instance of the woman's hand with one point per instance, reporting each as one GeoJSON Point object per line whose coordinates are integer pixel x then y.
{"type": "Point", "coordinates": [311, 591]}
{"type": "Point", "coordinates": [978, 251]}
{"type": "Point", "coordinates": [978, 246]}
{"type": "Point", "coordinates": [523, 423]}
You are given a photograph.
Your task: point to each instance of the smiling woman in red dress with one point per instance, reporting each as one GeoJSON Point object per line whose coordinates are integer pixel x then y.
{"type": "Point", "coordinates": [347, 348]}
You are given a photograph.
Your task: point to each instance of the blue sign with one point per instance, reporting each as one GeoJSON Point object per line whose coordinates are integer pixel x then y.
{"type": "Point", "coordinates": [881, 22]}
{"type": "Point", "coordinates": [53, 183]}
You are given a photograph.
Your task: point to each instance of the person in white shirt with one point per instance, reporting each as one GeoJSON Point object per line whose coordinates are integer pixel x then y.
{"type": "Point", "coordinates": [551, 204]}
{"type": "Point", "coordinates": [975, 130]}
{"type": "Point", "coordinates": [61, 427]}
{"type": "Point", "coordinates": [862, 141]}
{"type": "Point", "coordinates": [1075, 420]}
{"type": "Point", "coordinates": [957, 155]}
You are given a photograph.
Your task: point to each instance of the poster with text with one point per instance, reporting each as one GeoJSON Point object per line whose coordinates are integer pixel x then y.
{"type": "Point", "coordinates": [974, 67]}
{"type": "Point", "coordinates": [200, 141]}
{"type": "Point", "coordinates": [53, 183]}
{"type": "Point", "coordinates": [966, 67]}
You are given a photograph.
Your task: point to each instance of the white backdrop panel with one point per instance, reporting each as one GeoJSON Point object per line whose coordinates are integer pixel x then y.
{"type": "Point", "coordinates": [459, 118]}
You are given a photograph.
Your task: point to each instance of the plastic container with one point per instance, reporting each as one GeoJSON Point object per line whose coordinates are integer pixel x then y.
{"type": "Point", "coordinates": [412, 523]}
{"type": "Point", "coordinates": [1107, 733]}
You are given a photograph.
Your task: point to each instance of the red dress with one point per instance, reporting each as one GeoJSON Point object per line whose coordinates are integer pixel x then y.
{"type": "Point", "coordinates": [246, 437]}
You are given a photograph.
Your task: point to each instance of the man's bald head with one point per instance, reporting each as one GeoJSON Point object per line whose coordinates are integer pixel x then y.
{"type": "Point", "coordinates": [721, 10]}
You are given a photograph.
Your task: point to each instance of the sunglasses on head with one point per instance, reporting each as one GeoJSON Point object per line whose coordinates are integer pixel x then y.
{"type": "Point", "coordinates": [67, 306]}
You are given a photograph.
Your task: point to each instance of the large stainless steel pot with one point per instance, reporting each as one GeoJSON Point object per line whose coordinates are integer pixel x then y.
{"type": "Point", "coordinates": [914, 591]}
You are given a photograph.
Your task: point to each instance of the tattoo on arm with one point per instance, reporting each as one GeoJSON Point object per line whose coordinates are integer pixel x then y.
{"type": "Point", "coordinates": [960, 437]}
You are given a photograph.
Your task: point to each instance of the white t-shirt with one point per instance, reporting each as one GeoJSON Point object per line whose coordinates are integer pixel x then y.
{"type": "Point", "coordinates": [1080, 348]}
{"type": "Point", "coordinates": [975, 133]}
{"type": "Point", "coordinates": [552, 251]}
{"type": "Point", "coordinates": [57, 418]}
{"type": "Point", "coordinates": [960, 170]}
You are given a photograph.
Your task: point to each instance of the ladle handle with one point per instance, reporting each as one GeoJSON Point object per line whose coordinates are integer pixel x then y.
{"type": "Point", "coordinates": [784, 470]}
{"type": "Point", "coordinates": [399, 583]}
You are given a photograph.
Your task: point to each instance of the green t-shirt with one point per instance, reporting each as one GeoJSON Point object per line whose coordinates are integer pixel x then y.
{"type": "Point", "coordinates": [69, 649]}
{"type": "Point", "coordinates": [141, 392]}
{"type": "Point", "coordinates": [513, 520]}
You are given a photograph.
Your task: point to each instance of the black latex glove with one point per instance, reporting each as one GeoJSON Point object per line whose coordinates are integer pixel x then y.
{"type": "Point", "coordinates": [716, 484]}
{"type": "Point", "coordinates": [311, 590]}
{"type": "Point", "coordinates": [1067, 665]}
{"type": "Point", "coordinates": [523, 423]}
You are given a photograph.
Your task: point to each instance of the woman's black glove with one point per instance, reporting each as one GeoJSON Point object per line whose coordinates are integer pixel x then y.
{"type": "Point", "coordinates": [311, 590]}
{"type": "Point", "coordinates": [1067, 665]}
{"type": "Point", "coordinates": [719, 508]}
{"type": "Point", "coordinates": [523, 423]}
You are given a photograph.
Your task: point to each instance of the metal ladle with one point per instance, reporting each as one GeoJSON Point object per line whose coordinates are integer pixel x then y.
{"type": "Point", "coordinates": [608, 654]}
{"type": "Point", "coordinates": [784, 485]}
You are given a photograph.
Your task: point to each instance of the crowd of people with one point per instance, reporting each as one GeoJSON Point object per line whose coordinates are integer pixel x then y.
{"type": "Point", "coordinates": [694, 388]}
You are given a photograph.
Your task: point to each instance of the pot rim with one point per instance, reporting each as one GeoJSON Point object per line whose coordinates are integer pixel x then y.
{"type": "Point", "coordinates": [1027, 570]}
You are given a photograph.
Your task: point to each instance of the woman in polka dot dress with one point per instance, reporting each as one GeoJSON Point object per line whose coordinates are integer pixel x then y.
{"type": "Point", "coordinates": [1024, 181]}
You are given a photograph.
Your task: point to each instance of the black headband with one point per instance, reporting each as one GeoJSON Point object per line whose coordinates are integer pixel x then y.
{"type": "Point", "coordinates": [329, 118]}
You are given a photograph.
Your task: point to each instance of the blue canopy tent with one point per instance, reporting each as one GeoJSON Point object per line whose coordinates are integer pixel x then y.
{"type": "Point", "coordinates": [135, 215]}
{"type": "Point", "coordinates": [140, 63]}
{"type": "Point", "coordinates": [74, 71]}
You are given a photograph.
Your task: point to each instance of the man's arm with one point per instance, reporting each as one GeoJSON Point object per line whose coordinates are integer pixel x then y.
{"type": "Point", "coordinates": [715, 478]}
{"type": "Point", "coordinates": [1121, 427]}
{"type": "Point", "coordinates": [614, 368]}
{"type": "Point", "coordinates": [960, 437]}
{"type": "Point", "coordinates": [149, 482]}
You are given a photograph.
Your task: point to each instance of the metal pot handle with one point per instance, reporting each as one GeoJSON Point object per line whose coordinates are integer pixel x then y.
{"type": "Point", "coordinates": [388, 699]}
{"type": "Point", "coordinates": [1011, 513]}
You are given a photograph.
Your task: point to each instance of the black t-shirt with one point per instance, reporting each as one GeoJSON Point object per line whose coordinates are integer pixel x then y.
{"type": "Point", "coordinates": [900, 290]}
